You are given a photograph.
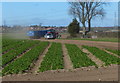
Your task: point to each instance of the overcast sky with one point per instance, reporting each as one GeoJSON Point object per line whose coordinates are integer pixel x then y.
{"type": "Point", "coordinates": [49, 13]}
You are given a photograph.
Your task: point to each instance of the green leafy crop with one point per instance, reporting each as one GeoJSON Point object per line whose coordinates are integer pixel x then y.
{"type": "Point", "coordinates": [114, 51]}
{"type": "Point", "coordinates": [53, 59]}
{"type": "Point", "coordinates": [102, 55]}
{"type": "Point", "coordinates": [23, 63]}
{"type": "Point", "coordinates": [78, 58]}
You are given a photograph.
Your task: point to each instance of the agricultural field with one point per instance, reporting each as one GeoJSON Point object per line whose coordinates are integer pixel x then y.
{"type": "Point", "coordinates": [102, 55]}
{"type": "Point", "coordinates": [78, 58]}
{"type": "Point", "coordinates": [53, 41]}
{"type": "Point", "coordinates": [21, 56]}
{"type": "Point", "coordinates": [96, 39]}
{"type": "Point", "coordinates": [117, 52]}
{"type": "Point", "coordinates": [53, 59]}
{"type": "Point", "coordinates": [102, 39]}
{"type": "Point", "coordinates": [23, 63]}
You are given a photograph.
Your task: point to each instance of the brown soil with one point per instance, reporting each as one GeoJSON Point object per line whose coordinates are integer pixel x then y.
{"type": "Point", "coordinates": [40, 59]}
{"type": "Point", "coordinates": [82, 74]}
{"type": "Point", "coordinates": [110, 45]}
{"type": "Point", "coordinates": [67, 62]}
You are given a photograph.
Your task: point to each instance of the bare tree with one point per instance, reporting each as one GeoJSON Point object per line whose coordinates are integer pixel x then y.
{"type": "Point", "coordinates": [94, 9]}
{"type": "Point", "coordinates": [86, 11]}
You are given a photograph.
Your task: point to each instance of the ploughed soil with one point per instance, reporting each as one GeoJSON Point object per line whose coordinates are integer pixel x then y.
{"type": "Point", "coordinates": [100, 44]}
{"type": "Point", "coordinates": [109, 73]}
{"type": "Point", "coordinates": [81, 74]}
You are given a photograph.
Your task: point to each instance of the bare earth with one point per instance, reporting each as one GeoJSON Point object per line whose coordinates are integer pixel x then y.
{"type": "Point", "coordinates": [67, 62]}
{"type": "Point", "coordinates": [39, 61]}
{"type": "Point", "coordinates": [111, 45]}
{"type": "Point", "coordinates": [109, 73]}
{"type": "Point", "coordinates": [81, 74]}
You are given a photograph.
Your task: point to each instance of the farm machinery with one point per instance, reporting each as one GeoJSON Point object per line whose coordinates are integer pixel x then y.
{"type": "Point", "coordinates": [47, 34]}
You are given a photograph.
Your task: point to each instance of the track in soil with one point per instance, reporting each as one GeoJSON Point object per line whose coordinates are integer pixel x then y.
{"type": "Point", "coordinates": [110, 45]}
{"type": "Point", "coordinates": [39, 61]}
{"type": "Point", "coordinates": [111, 53]}
{"type": "Point", "coordinates": [81, 74]}
{"type": "Point", "coordinates": [67, 62]}
{"type": "Point", "coordinates": [93, 58]}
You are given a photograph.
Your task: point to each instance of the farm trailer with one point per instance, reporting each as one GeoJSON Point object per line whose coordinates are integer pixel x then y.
{"type": "Point", "coordinates": [41, 33]}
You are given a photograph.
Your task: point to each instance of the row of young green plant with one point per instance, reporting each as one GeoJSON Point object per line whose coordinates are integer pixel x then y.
{"type": "Point", "coordinates": [23, 63]}
{"type": "Point", "coordinates": [7, 42]}
{"type": "Point", "coordinates": [9, 56]}
{"type": "Point", "coordinates": [53, 59]}
{"type": "Point", "coordinates": [78, 58]}
{"type": "Point", "coordinates": [11, 46]}
{"type": "Point", "coordinates": [103, 56]}
{"type": "Point", "coordinates": [117, 52]}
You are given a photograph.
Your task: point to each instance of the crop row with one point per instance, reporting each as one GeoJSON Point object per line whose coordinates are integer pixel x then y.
{"type": "Point", "coordinates": [6, 58]}
{"type": "Point", "coordinates": [24, 62]}
{"type": "Point", "coordinates": [78, 58]}
{"type": "Point", "coordinates": [7, 42]}
{"type": "Point", "coordinates": [16, 44]}
{"type": "Point", "coordinates": [102, 55]}
{"type": "Point", "coordinates": [117, 52]}
{"type": "Point", "coordinates": [53, 59]}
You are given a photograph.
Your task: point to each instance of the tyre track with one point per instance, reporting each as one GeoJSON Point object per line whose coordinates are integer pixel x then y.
{"type": "Point", "coordinates": [98, 62]}
{"type": "Point", "coordinates": [39, 61]}
{"type": "Point", "coordinates": [111, 53]}
{"type": "Point", "coordinates": [67, 62]}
